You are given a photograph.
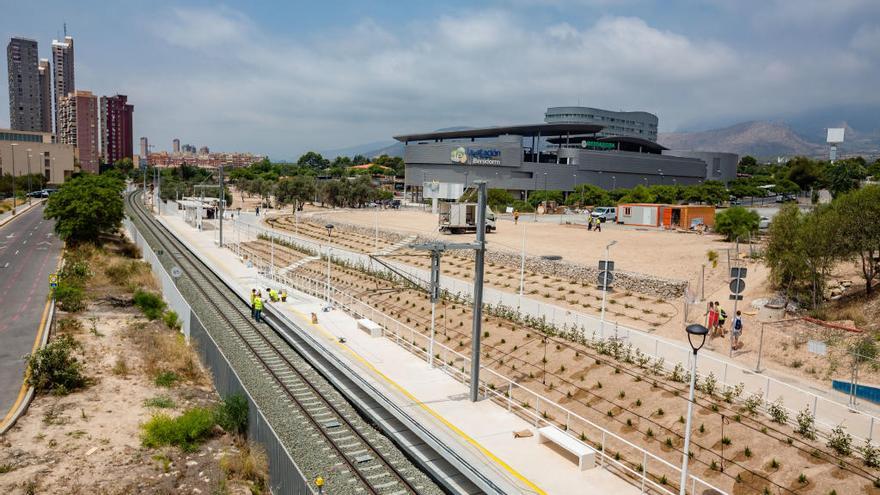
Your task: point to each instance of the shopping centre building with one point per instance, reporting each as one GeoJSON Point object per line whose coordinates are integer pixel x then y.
{"type": "Point", "coordinates": [552, 156]}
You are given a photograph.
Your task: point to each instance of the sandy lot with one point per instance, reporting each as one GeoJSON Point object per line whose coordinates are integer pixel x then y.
{"type": "Point", "coordinates": [661, 253]}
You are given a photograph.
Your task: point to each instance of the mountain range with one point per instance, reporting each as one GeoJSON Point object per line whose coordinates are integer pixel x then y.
{"type": "Point", "coordinates": [765, 140]}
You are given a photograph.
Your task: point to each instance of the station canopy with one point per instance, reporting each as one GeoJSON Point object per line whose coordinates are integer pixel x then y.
{"type": "Point", "coordinates": [543, 130]}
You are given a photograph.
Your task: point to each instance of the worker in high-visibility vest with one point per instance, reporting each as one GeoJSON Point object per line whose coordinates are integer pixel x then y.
{"type": "Point", "coordinates": [253, 296]}
{"type": "Point", "coordinates": [283, 295]}
{"type": "Point", "coordinates": [258, 308]}
{"type": "Point", "coordinates": [273, 295]}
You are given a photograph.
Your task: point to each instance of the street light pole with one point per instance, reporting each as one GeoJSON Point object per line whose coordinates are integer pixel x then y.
{"type": "Point", "coordinates": [222, 200]}
{"type": "Point", "coordinates": [13, 145]}
{"type": "Point", "coordinates": [479, 257]}
{"type": "Point", "coordinates": [29, 177]}
{"type": "Point", "coordinates": [522, 266]}
{"type": "Point", "coordinates": [329, 228]}
{"type": "Point", "coordinates": [605, 287]}
{"type": "Point", "coordinates": [694, 331]}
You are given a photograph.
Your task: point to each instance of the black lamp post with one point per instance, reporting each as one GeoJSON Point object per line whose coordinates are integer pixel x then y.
{"type": "Point", "coordinates": [696, 338]}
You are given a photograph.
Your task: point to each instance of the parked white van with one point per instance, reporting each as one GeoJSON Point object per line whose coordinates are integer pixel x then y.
{"type": "Point", "coordinates": [605, 213]}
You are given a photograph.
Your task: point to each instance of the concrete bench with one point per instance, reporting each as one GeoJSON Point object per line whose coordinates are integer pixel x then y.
{"type": "Point", "coordinates": [585, 455]}
{"type": "Point", "coordinates": [369, 326]}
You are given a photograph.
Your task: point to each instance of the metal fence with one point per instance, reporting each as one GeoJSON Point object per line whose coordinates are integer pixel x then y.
{"type": "Point", "coordinates": [826, 412]}
{"type": "Point", "coordinates": [285, 476]}
{"type": "Point", "coordinates": [647, 470]}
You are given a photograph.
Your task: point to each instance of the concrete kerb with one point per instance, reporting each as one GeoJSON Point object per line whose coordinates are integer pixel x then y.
{"type": "Point", "coordinates": [826, 412]}
{"type": "Point", "coordinates": [29, 395]}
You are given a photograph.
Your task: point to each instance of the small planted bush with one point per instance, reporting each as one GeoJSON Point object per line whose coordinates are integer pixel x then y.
{"type": "Point", "coordinates": [840, 440]}
{"type": "Point", "coordinates": [778, 412]}
{"type": "Point", "coordinates": [806, 424]}
{"type": "Point", "coordinates": [70, 298]}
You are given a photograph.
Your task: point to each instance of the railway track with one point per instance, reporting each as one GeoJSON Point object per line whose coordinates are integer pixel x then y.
{"type": "Point", "coordinates": [355, 461]}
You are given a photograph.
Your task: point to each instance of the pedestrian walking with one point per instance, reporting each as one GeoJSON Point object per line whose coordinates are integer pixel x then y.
{"type": "Point", "coordinates": [737, 330]}
{"type": "Point", "coordinates": [722, 317]}
{"type": "Point", "coordinates": [598, 225]}
{"type": "Point", "coordinates": [589, 222]}
{"type": "Point", "coordinates": [258, 308]}
{"type": "Point", "coordinates": [712, 320]}
{"type": "Point", "coordinates": [515, 217]}
{"type": "Point", "coordinates": [253, 296]}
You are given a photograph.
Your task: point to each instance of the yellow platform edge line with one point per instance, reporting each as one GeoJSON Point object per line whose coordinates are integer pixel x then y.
{"type": "Point", "coordinates": [427, 409]}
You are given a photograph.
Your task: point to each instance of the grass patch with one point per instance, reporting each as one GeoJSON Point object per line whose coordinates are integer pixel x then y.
{"type": "Point", "coordinates": [248, 464]}
{"type": "Point", "coordinates": [186, 431]}
{"type": "Point", "coordinates": [160, 402]}
{"type": "Point", "coordinates": [121, 367]}
{"type": "Point", "coordinates": [166, 379]}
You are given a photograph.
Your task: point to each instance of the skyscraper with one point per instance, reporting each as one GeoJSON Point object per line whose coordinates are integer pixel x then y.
{"type": "Point", "coordinates": [145, 147]}
{"type": "Point", "coordinates": [78, 124]}
{"type": "Point", "coordinates": [175, 145]}
{"type": "Point", "coordinates": [62, 59]}
{"type": "Point", "coordinates": [24, 85]}
{"type": "Point", "coordinates": [45, 76]}
{"type": "Point", "coordinates": [117, 138]}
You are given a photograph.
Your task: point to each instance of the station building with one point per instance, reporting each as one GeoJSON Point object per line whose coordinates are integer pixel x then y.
{"type": "Point", "coordinates": [552, 156]}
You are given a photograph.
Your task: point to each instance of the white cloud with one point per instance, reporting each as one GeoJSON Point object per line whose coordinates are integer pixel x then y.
{"type": "Point", "coordinates": [272, 92]}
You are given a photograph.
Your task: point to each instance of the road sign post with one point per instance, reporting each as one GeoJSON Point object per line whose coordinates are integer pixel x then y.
{"type": "Point", "coordinates": [737, 286]}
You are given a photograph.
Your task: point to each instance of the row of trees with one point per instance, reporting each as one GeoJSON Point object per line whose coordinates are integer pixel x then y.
{"type": "Point", "coordinates": [802, 174]}
{"type": "Point", "coordinates": [803, 248]}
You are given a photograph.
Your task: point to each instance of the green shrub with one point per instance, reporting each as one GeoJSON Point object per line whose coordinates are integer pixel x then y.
{"type": "Point", "coordinates": [232, 414]}
{"type": "Point", "coordinates": [737, 222]}
{"type": "Point", "coordinates": [186, 431]}
{"type": "Point", "coordinates": [166, 379]}
{"type": "Point", "coordinates": [71, 298]}
{"type": "Point", "coordinates": [54, 368]}
{"type": "Point", "coordinates": [171, 320]}
{"type": "Point", "coordinates": [150, 303]}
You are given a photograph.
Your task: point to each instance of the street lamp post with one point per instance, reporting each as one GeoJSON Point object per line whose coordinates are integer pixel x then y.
{"type": "Point", "coordinates": [696, 334]}
{"type": "Point", "coordinates": [329, 228]}
{"type": "Point", "coordinates": [605, 287]}
{"type": "Point", "coordinates": [29, 177]}
{"type": "Point", "coordinates": [613, 182]}
{"type": "Point", "coordinates": [13, 145]}
{"type": "Point", "coordinates": [522, 266]}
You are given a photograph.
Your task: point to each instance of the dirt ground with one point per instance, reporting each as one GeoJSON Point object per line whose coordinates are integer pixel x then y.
{"type": "Point", "coordinates": [89, 441]}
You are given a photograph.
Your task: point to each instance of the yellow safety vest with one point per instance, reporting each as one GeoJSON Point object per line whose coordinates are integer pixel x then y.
{"type": "Point", "coordinates": [258, 303]}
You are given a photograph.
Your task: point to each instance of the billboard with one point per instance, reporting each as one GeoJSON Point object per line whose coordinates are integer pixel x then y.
{"type": "Point", "coordinates": [835, 135]}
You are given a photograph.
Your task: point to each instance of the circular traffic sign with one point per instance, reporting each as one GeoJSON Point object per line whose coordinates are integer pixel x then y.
{"type": "Point", "coordinates": [737, 285]}
{"type": "Point", "coordinates": [176, 272]}
{"type": "Point", "coordinates": [605, 277]}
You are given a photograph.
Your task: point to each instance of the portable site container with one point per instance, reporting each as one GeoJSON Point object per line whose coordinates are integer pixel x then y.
{"type": "Point", "coordinates": [688, 216]}
{"type": "Point", "coordinates": [639, 214]}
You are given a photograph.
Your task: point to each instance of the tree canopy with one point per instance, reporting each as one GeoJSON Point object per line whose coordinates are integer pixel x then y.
{"type": "Point", "coordinates": [86, 207]}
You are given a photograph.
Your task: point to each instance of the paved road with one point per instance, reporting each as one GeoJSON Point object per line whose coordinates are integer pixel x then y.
{"type": "Point", "coordinates": [29, 252]}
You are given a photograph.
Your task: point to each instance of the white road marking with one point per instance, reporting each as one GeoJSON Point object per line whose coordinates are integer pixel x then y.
{"type": "Point", "coordinates": [24, 241]}
{"type": "Point", "coordinates": [16, 252]}
{"type": "Point", "coordinates": [6, 265]}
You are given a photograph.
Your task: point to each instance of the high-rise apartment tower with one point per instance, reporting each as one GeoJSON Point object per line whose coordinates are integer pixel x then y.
{"type": "Point", "coordinates": [25, 105]}
{"type": "Point", "coordinates": [62, 60]}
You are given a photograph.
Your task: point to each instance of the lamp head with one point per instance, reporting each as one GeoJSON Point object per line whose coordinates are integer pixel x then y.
{"type": "Point", "coordinates": [696, 334]}
{"type": "Point", "coordinates": [329, 228]}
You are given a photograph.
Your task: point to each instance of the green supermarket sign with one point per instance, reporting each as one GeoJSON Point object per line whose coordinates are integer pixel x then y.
{"type": "Point", "coordinates": [597, 144]}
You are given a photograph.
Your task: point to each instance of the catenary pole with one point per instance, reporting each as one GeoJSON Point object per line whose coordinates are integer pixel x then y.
{"type": "Point", "coordinates": [479, 257]}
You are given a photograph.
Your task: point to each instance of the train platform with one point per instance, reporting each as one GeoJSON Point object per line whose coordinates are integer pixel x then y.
{"type": "Point", "coordinates": [481, 432]}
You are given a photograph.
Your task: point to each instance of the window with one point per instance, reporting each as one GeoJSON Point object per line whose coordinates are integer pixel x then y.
{"type": "Point", "coordinates": [627, 211]}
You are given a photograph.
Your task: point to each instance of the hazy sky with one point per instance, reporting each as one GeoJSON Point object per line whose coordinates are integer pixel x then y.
{"type": "Point", "coordinates": [283, 77]}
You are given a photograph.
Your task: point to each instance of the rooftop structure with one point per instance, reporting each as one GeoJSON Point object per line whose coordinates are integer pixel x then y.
{"type": "Point", "coordinates": [633, 124]}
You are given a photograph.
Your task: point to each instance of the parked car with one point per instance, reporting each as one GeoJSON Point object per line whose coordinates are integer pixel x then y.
{"type": "Point", "coordinates": [786, 198]}
{"type": "Point", "coordinates": [764, 223]}
{"type": "Point", "coordinates": [605, 213]}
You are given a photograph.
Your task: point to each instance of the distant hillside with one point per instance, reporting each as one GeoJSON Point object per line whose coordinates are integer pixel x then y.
{"type": "Point", "coordinates": [756, 138]}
